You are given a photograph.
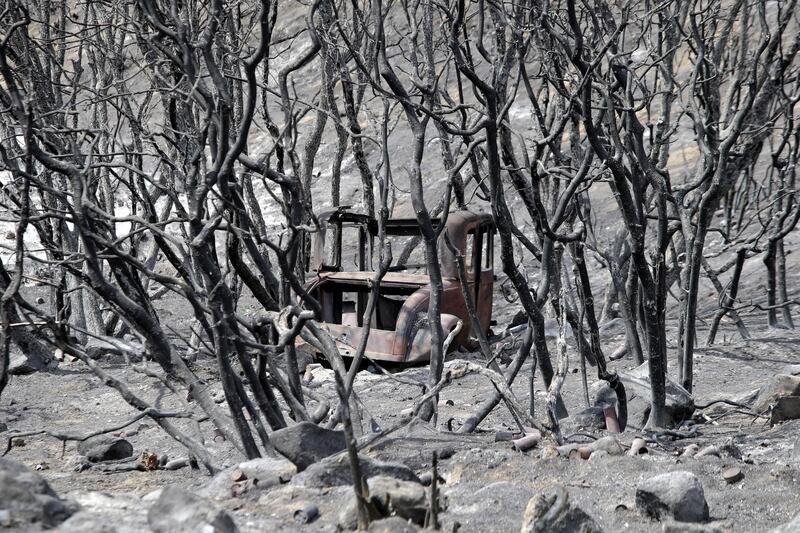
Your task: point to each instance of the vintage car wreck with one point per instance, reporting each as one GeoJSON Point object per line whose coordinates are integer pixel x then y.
{"type": "Point", "coordinates": [399, 330]}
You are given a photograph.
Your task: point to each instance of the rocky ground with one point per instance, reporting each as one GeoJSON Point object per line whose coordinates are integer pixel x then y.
{"type": "Point", "coordinates": [727, 468]}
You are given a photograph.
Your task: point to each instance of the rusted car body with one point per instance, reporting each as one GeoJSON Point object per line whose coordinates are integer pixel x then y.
{"type": "Point", "coordinates": [399, 331]}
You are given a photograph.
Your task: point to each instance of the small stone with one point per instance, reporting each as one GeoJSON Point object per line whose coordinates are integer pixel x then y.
{"type": "Point", "coordinates": [176, 464]}
{"type": "Point", "coordinates": [550, 452]}
{"type": "Point", "coordinates": [105, 448]}
{"type": "Point", "coordinates": [677, 495]}
{"type": "Point", "coordinates": [238, 489]}
{"type": "Point", "coordinates": [585, 452]}
{"type": "Point", "coordinates": [690, 451]}
{"type": "Point", "coordinates": [708, 451]}
{"type": "Point", "coordinates": [732, 475]}
{"type": "Point", "coordinates": [446, 452]}
{"type": "Point", "coordinates": [18, 442]}
{"type": "Point", "coordinates": [238, 476]}
{"type": "Point", "coordinates": [609, 444]}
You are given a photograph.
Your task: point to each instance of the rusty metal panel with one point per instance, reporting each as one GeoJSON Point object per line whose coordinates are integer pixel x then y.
{"type": "Point", "coordinates": [410, 340]}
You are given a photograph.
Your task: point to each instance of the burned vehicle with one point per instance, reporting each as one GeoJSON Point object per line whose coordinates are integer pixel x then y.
{"type": "Point", "coordinates": [399, 331]}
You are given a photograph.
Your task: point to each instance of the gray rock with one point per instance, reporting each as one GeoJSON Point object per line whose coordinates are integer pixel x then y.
{"type": "Point", "coordinates": [28, 499]}
{"type": "Point", "coordinates": [679, 404]}
{"type": "Point", "coordinates": [393, 524]}
{"type": "Point", "coordinates": [555, 514]}
{"type": "Point", "coordinates": [785, 408]}
{"type": "Point", "coordinates": [390, 497]}
{"type": "Point", "coordinates": [84, 521]}
{"type": "Point", "coordinates": [468, 500]}
{"type": "Point", "coordinates": [677, 495]}
{"type": "Point", "coordinates": [268, 471]}
{"type": "Point", "coordinates": [691, 527]}
{"type": "Point", "coordinates": [179, 511]}
{"type": "Point", "coordinates": [791, 370]}
{"type": "Point", "coordinates": [305, 443]}
{"type": "Point", "coordinates": [219, 487]}
{"type": "Point", "coordinates": [3, 427]}
{"type": "Point", "coordinates": [337, 472]}
{"type": "Point", "coordinates": [105, 448]}
{"type": "Point", "coordinates": [778, 386]}
{"type": "Point", "coordinates": [609, 444]}
{"type": "Point", "coordinates": [603, 395]}
{"type": "Point", "coordinates": [20, 364]}
{"type": "Point", "coordinates": [590, 419]}
{"type": "Point", "coordinates": [792, 526]}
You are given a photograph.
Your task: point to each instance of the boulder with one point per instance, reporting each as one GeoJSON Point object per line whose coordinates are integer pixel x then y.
{"type": "Point", "coordinates": [268, 471]}
{"type": "Point", "coordinates": [26, 499]}
{"type": "Point", "coordinates": [554, 513]}
{"type": "Point", "coordinates": [305, 443]}
{"type": "Point", "coordinates": [679, 404]}
{"type": "Point", "coordinates": [792, 526]}
{"type": "Point", "coordinates": [179, 511]}
{"type": "Point", "coordinates": [791, 370]}
{"type": "Point", "coordinates": [590, 419]}
{"type": "Point", "coordinates": [85, 521]}
{"type": "Point", "coordinates": [20, 364]}
{"type": "Point", "coordinates": [390, 497]}
{"type": "Point", "coordinates": [337, 472]}
{"type": "Point", "coordinates": [786, 408]}
{"type": "Point", "coordinates": [778, 386]}
{"type": "Point", "coordinates": [105, 448]}
{"type": "Point", "coordinates": [678, 495]}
